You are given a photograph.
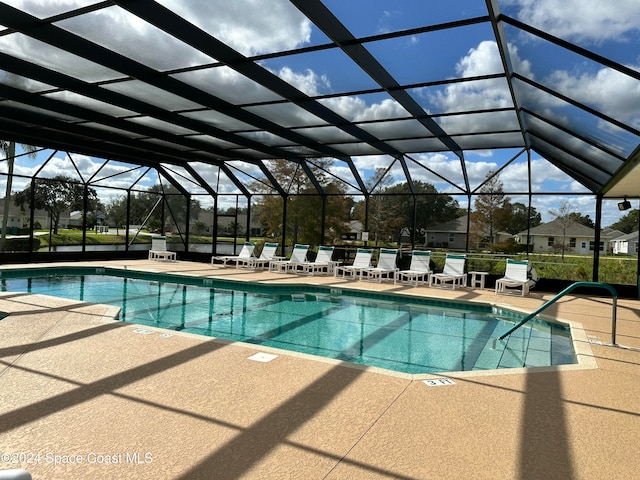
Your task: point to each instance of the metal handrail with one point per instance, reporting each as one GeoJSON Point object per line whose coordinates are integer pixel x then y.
{"type": "Point", "coordinates": [570, 288]}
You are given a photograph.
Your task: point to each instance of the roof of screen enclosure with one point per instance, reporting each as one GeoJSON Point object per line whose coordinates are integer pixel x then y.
{"type": "Point", "coordinates": [164, 84]}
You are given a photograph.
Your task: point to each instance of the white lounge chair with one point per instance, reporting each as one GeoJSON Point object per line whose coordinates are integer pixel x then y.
{"type": "Point", "coordinates": [386, 266]}
{"type": "Point", "coordinates": [268, 253]}
{"type": "Point", "coordinates": [515, 276]}
{"type": "Point", "coordinates": [419, 269]}
{"type": "Point", "coordinates": [159, 249]}
{"type": "Point", "coordinates": [322, 264]}
{"type": "Point", "coordinates": [245, 252]}
{"type": "Point", "coordinates": [453, 272]}
{"type": "Point", "coordinates": [360, 263]}
{"type": "Point", "coordinates": [298, 255]}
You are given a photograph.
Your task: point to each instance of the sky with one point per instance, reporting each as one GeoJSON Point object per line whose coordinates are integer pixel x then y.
{"type": "Point", "coordinates": [609, 31]}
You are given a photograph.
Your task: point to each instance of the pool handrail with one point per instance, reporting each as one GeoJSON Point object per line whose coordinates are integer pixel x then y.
{"type": "Point", "coordinates": [570, 288]}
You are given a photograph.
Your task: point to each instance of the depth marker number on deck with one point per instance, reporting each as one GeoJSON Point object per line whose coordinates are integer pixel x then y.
{"type": "Point", "coordinates": [438, 382]}
{"type": "Point", "coordinates": [262, 357]}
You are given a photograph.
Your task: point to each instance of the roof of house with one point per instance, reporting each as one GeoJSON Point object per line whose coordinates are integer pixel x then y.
{"type": "Point", "coordinates": [557, 227]}
{"type": "Point", "coordinates": [457, 225]}
{"type": "Point", "coordinates": [611, 233]}
{"type": "Point", "coordinates": [628, 237]}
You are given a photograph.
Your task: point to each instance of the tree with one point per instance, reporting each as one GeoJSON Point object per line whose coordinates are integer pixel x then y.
{"type": "Point", "coordinates": [582, 219]}
{"type": "Point", "coordinates": [9, 150]}
{"type": "Point", "coordinates": [431, 207]}
{"type": "Point", "coordinates": [381, 212]}
{"type": "Point", "coordinates": [564, 215]}
{"type": "Point", "coordinates": [235, 228]}
{"type": "Point", "coordinates": [199, 227]}
{"type": "Point", "coordinates": [117, 212]}
{"type": "Point", "coordinates": [304, 205]}
{"type": "Point", "coordinates": [175, 206]}
{"type": "Point", "coordinates": [492, 210]}
{"type": "Point", "coordinates": [521, 217]}
{"type": "Point", "coordinates": [627, 223]}
{"type": "Point", "coordinates": [56, 195]}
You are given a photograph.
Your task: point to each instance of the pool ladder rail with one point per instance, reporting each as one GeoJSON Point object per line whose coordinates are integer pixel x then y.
{"type": "Point", "coordinates": [564, 292]}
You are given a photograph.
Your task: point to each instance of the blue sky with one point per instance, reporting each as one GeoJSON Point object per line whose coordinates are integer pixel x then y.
{"type": "Point", "coordinates": [611, 31]}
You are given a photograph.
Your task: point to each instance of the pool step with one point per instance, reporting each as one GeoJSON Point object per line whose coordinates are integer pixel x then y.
{"type": "Point", "coordinates": [529, 347]}
{"type": "Point", "coordinates": [490, 357]}
{"type": "Point", "coordinates": [539, 351]}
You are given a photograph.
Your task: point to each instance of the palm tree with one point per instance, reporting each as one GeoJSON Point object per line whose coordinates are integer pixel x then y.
{"type": "Point", "coordinates": [9, 150]}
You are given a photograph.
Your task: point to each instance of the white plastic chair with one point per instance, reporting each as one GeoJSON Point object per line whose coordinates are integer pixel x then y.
{"type": "Point", "coordinates": [453, 272]}
{"type": "Point", "coordinates": [245, 252]}
{"type": "Point", "coordinates": [268, 253]}
{"type": "Point", "coordinates": [159, 250]}
{"type": "Point", "coordinates": [419, 269]}
{"type": "Point", "coordinates": [322, 264]}
{"type": "Point", "coordinates": [386, 266]}
{"type": "Point", "coordinates": [360, 263]}
{"type": "Point", "coordinates": [515, 276]}
{"type": "Point", "coordinates": [298, 255]}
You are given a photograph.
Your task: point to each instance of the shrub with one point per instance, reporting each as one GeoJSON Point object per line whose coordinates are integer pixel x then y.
{"type": "Point", "coordinates": [21, 244]}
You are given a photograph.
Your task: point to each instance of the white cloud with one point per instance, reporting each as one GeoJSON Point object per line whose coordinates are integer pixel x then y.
{"type": "Point", "coordinates": [614, 93]}
{"type": "Point", "coordinates": [308, 82]}
{"type": "Point", "coordinates": [481, 60]}
{"type": "Point", "coordinates": [247, 25]}
{"type": "Point", "coordinates": [582, 20]}
{"type": "Point", "coordinates": [357, 110]}
{"type": "Point", "coordinates": [369, 163]}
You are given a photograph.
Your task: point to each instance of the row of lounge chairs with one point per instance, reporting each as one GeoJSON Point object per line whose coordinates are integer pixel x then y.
{"type": "Point", "coordinates": [419, 271]}
{"type": "Point", "coordinates": [268, 260]}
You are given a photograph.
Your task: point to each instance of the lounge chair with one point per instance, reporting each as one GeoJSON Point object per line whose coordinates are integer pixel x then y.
{"type": "Point", "coordinates": [515, 276]}
{"type": "Point", "coordinates": [453, 272]}
{"type": "Point", "coordinates": [386, 266]}
{"type": "Point", "coordinates": [360, 263]}
{"type": "Point", "coordinates": [159, 249]}
{"type": "Point", "coordinates": [322, 264]}
{"type": "Point", "coordinates": [268, 253]}
{"type": "Point", "coordinates": [298, 255]}
{"type": "Point", "coordinates": [419, 269]}
{"type": "Point", "coordinates": [246, 252]}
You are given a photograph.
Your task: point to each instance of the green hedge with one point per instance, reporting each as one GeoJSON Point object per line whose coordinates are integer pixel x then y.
{"type": "Point", "coordinates": [21, 244]}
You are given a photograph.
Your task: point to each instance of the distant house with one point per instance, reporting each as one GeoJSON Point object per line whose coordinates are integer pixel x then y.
{"type": "Point", "coordinates": [625, 244]}
{"type": "Point", "coordinates": [75, 218]}
{"type": "Point", "coordinates": [226, 224]}
{"type": "Point", "coordinates": [353, 230]}
{"type": "Point", "coordinates": [451, 234]}
{"type": "Point", "coordinates": [20, 219]}
{"type": "Point", "coordinates": [577, 238]}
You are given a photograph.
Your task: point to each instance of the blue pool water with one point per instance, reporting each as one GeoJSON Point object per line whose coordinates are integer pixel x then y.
{"type": "Point", "coordinates": [410, 335]}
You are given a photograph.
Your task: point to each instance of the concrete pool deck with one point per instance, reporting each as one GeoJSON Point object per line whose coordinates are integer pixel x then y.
{"type": "Point", "coordinates": [82, 396]}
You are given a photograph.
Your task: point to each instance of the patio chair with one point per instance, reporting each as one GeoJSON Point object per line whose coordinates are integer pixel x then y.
{"type": "Point", "coordinates": [246, 252]}
{"type": "Point", "coordinates": [453, 272]}
{"type": "Point", "coordinates": [419, 269]}
{"type": "Point", "coordinates": [516, 275]}
{"type": "Point", "coordinates": [386, 266]}
{"type": "Point", "coordinates": [159, 249]}
{"type": "Point", "coordinates": [322, 264]}
{"type": "Point", "coordinates": [298, 255]}
{"type": "Point", "coordinates": [268, 253]}
{"type": "Point", "coordinates": [360, 263]}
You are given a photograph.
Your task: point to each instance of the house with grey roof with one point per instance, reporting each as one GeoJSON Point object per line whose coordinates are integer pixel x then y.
{"type": "Point", "coordinates": [451, 234]}
{"type": "Point", "coordinates": [569, 236]}
{"type": "Point", "coordinates": [626, 244]}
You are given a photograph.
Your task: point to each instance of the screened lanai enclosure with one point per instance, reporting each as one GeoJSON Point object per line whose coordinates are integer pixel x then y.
{"type": "Point", "coordinates": [442, 125]}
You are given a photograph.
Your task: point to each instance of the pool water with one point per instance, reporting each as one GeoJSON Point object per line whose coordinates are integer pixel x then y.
{"type": "Point", "coordinates": [410, 336]}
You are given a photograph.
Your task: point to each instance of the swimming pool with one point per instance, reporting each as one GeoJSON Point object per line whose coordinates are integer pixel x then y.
{"type": "Point", "coordinates": [409, 335]}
